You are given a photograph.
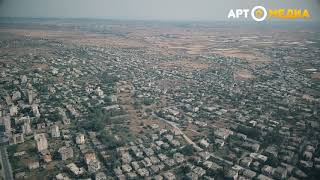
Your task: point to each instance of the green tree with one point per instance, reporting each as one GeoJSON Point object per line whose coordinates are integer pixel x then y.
{"type": "Point", "coordinates": [147, 101]}
{"type": "Point", "coordinates": [108, 139]}
{"type": "Point", "coordinates": [187, 150]}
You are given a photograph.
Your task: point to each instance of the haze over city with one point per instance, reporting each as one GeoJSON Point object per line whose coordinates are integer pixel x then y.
{"type": "Point", "coordinates": [203, 10]}
{"type": "Point", "coordinates": [159, 90]}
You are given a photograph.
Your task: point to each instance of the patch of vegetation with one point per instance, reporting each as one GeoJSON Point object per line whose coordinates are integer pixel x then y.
{"type": "Point", "coordinates": [187, 150]}
{"type": "Point", "coordinates": [272, 138]}
{"type": "Point", "coordinates": [273, 161]}
{"type": "Point", "coordinates": [148, 101]}
{"type": "Point", "coordinates": [95, 121]}
{"type": "Point", "coordinates": [12, 149]}
{"type": "Point", "coordinates": [182, 171]}
{"type": "Point", "coordinates": [108, 139]}
{"type": "Point", "coordinates": [55, 116]}
{"type": "Point", "coordinates": [136, 105]}
{"type": "Point", "coordinates": [109, 79]}
{"type": "Point", "coordinates": [250, 132]}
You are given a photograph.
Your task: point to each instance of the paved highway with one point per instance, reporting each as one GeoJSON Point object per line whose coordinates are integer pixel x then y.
{"type": "Point", "coordinates": [6, 167]}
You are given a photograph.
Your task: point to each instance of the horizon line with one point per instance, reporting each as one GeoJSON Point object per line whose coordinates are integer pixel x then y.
{"type": "Point", "coordinates": [162, 20]}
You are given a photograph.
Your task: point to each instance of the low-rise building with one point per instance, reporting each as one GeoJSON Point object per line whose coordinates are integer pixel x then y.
{"type": "Point", "coordinates": [41, 141]}
{"type": "Point", "coordinates": [66, 153]}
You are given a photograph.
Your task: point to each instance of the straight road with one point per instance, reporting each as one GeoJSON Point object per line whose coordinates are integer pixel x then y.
{"type": "Point", "coordinates": [6, 166]}
{"type": "Point", "coordinates": [175, 126]}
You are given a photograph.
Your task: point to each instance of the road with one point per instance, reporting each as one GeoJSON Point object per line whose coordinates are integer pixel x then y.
{"type": "Point", "coordinates": [6, 166]}
{"type": "Point", "coordinates": [176, 128]}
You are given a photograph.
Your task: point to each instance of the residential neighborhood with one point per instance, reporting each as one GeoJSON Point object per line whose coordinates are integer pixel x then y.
{"type": "Point", "coordinates": [95, 111]}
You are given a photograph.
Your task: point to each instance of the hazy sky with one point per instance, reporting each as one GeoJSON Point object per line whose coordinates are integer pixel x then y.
{"type": "Point", "coordinates": [144, 9]}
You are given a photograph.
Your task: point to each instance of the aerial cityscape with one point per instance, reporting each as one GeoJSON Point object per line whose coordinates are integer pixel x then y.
{"type": "Point", "coordinates": [82, 99]}
{"type": "Point", "coordinates": [101, 99]}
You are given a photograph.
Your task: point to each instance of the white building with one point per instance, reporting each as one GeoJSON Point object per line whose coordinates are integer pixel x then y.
{"type": "Point", "coordinates": [99, 92]}
{"type": "Point", "coordinates": [35, 110]}
{"type": "Point", "coordinates": [66, 153]}
{"type": "Point", "coordinates": [55, 132]}
{"type": "Point", "coordinates": [94, 166]}
{"type": "Point", "coordinates": [24, 79]}
{"type": "Point", "coordinates": [41, 141]}
{"type": "Point", "coordinates": [16, 96]}
{"type": "Point", "coordinates": [75, 169]}
{"type": "Point", "coordinates": [13, 110]}
{"type": "Point", "coordinates": [30, 96]}
{"type": "Point", "coordinates": [80, 139]}
{"type": "Point", "coordinates": [26, 127]}
{"type": "Point", "coordinates": [7, 125]}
